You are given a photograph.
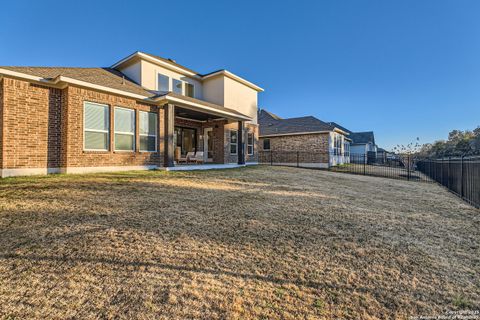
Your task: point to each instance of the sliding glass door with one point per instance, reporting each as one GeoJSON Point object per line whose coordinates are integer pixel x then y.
{"type": "Point", "coordinates": [186, 139]}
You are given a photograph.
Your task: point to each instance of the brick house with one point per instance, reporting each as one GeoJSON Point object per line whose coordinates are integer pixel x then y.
{"type": "Point", "coordinates": [144, 112]}
{"type": "Point", "coordinates": [314, 142]}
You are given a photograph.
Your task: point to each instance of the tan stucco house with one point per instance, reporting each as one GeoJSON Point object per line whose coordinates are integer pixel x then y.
{"type": "Point", "coordinates": [306, 140]}
{"type": "Point", "coordinates": [143, 112]}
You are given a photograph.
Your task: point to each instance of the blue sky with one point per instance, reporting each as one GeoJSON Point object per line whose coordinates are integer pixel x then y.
{"type": "Point", "coordinates": [400, 68]}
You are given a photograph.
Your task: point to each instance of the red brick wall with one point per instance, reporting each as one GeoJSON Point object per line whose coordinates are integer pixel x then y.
{"type": "Point", "coordinates": [1, 123]}
{"type": "Point", "coordinates": [42, 127]}
{"type": "Point", "coordinates": [76, 157]}
{"type": "Point", "coordinates": [233, 158]}
{"type": "Point", "coordinates": [30, 125]}
{"type": "Point", "coordinates": [311, 147]}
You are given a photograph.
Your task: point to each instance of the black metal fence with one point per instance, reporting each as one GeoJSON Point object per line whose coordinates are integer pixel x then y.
{"type": "Point", "coordinates": [459, 175]}
{"type": "Point", "coordinates": [371, 164]}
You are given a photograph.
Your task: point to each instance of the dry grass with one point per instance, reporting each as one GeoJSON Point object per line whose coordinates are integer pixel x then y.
{"type": "Point", "coordinates": [263, 243]}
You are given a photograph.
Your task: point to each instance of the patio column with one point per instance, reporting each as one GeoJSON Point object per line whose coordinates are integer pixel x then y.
{"type": "Point", "coordinates": [169, 112]}
{"type": "Point", "coordinates": [241, 155]}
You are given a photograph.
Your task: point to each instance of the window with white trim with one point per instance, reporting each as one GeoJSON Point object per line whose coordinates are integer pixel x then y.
{"type": "Point", "coordinates": [124, 129]}
{"type": "Point", "coordinates": [337, 145]}
{"type": "Point", "coordinates": [177, 86]}
{"type": "Point", "coordinates": [96, 126]}
{"type": "Point", "coordinates": [189, 90]}
{"type": "Point", "coordinates": [266, 144]}
{"type": "Point", "coordinates": [250, 143]}
{"type": "Point", "coordinates": [346, 147]}
{"type": "Point", "coordinates": [163, 83]}
{"type": "Point", "coordinates": [233, 141]}
{"type": "Point", "coordinates": [148, 131]}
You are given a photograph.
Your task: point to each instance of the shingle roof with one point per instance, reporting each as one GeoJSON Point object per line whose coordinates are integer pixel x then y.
{"type": "Point", "coordinates": [110, 78]}
{"type": "Point", "coordinates": [362, 137]}
{"type": "Point", "coordinates": [266, 115]}
{"type": "Point", "coordinates": [336, 125]}
{"type": "Point", "coordinates": [100, 76]}
{"type": "Point", "coordinates": [271, 126]}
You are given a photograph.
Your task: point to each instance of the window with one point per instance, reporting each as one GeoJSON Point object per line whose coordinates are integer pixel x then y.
{"type": "Point", "coordinates": [177, 86]}
{"type": "Point", "coordinates": [96, 126]}
{"type": "Point", "coordinates": [124, 129]}
{"type": "Point", "coordinates": [185, 139]}
{"type": "Point", "coordinates": [148, 131]}
{"type": "Point", "coordinates": [233, 142]}
{"type": "Point", "coordinates": [250, 143]}
{"type": "Point", "coordinates": [266, 144]}
{"type": "Point", "coordinates": [346, 147]}
{"type": "Point", "coordinates": [337, 145]}
{"type": "Point", "coordinates": [163, 83]}
{"type": "Point", "coordinates": [189, 90]}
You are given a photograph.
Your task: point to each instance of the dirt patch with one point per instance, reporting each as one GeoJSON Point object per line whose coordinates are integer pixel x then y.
{"type": "Point", "coordinates": [251, 243]}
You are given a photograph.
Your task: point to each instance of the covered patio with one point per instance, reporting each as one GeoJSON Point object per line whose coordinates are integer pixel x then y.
{"type": "Point", "coordinates": [201, 135]}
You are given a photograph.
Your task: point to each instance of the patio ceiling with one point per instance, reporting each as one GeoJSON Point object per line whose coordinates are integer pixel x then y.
{"type": "Point", "coordinates": [194, 115]}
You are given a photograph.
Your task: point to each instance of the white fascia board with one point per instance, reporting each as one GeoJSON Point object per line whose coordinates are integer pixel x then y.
{"type": "Point", "coordinates": [23, 76]}
{"type": "Point", "coordinates": [234, 77]}
{"type": "Point", "coordinates": [341, 131]}
{"type": "Point", "coordinates": [201, 107]}
{"type": "Point", "coordinates": [101, 88]}
{"type": "Point", "coordinates": [291, 134]}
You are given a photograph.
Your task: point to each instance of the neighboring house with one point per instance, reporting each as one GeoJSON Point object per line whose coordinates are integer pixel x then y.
{"type": "Point", "coordinates": [363, 143]}
{"type": "Point", "coordinates": [318, 144]}
{"type": "Point", "coordinates": [143, 112]}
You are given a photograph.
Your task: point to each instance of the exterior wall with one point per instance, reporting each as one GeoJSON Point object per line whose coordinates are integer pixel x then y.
{"type": "Point", "coordinates": [231, 94]}
{"type": "Point", "coordinates": [31, 125]}
{"type": "Point", "coordinates": [241, 98]}
{"type": "Point", "coordinates": [149, 76]}
{"type": "Point", "coordinates": [213, 90]}
{"type": "Point", "coordinates": [358, 149]}
{"type": "Point", "coordinates": [318, 142]}
{"type": "Point", "coordinates": [233, 158]}
{"type": "Point", "coordinates": [1, 125]}
{"type": "Point", "coordinates": [313, 149]}
{"type": "Point", "coordinates": [42, 131]}
{"type": "Point", "coordinates": [77, 157]}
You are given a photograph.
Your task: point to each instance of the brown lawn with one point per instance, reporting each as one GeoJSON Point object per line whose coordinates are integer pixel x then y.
{"type": "Point", "coordinates": [252, 243]}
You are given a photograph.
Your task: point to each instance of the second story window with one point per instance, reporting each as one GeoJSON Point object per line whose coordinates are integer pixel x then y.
{"type": "Point", "coordinates": [163, 83]}
{"type": "Point", "coordinates": [177, 86]}
{"type": "Point", "coordinates": [189, 90]}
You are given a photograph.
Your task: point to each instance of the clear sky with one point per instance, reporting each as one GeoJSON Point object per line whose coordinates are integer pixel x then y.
{"type": "Point", "coordinates": [400, 68]}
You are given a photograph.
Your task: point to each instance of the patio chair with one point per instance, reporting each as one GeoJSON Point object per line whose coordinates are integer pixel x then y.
{"type": "Point", "coordinates": [188, 157]}
{"type": "Point", "coordinates": [198, 157]}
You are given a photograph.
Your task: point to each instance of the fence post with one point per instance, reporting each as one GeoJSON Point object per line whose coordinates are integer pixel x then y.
{"type": "Point", "coordinates": [408, 167]}
{"type": "Point", "coordinates": [461, 176]}
{"type": "Point", "coordinates": [271, 157]}
{"type": "Point", "coordinates": [298, 154]}
{"type": "Point", "coordinates": [364, 164]}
